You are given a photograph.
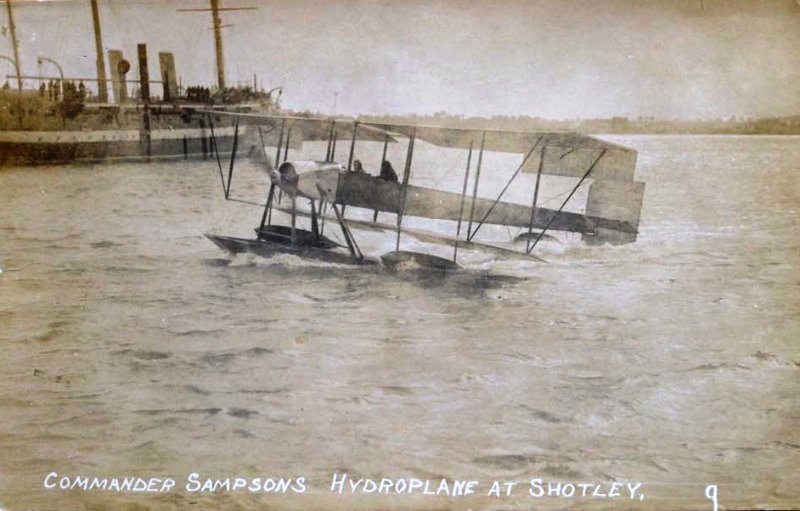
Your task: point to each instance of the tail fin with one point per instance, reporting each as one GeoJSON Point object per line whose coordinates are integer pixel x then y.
{"type": "Point", "coordinates": [615, 200]}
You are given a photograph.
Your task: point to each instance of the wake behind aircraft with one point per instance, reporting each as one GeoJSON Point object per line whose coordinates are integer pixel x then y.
{"type": "Point", "coordinates": [611, 215]}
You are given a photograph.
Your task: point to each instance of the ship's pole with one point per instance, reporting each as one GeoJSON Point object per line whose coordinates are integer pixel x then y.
{"type": "Point", "coordinates": [15, 43]}
{"type": "Point", "coordinates": [102, 85]}
{"type": "Point", "coordinates": [218, 43]}
{"type": "Point", "coordinates": [144, 87]}
{"type": "Point", "coordinates": [215, 10]}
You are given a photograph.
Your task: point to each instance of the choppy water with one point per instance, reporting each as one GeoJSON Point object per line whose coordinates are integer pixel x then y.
{"type": "Point", "coordinates": [133, 346]}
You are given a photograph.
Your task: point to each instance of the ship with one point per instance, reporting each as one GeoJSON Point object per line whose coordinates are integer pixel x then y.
{"type": "Point", "coordinates": [139, 119]}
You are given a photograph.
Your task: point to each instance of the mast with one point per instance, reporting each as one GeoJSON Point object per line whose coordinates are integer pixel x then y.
{"type": "Point", "coordinates": [13, 29]}
{"type": "Point", "coordinates": [218, 43]}
{"type": "Point", "coordinates": [102, 85]}
{"type": "Point", "coordinates": [217, 26]}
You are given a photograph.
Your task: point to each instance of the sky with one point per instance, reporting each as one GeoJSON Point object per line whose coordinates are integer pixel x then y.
{"type": "Point", "coordinates": [555, 59]}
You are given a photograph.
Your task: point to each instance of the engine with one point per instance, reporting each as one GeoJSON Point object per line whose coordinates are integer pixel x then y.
{"type": "Point", "coordinates": [305, 178]}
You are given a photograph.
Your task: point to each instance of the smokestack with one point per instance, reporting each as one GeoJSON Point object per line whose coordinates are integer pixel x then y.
{"type": "Point", "coordinates": [119, 67]}
{"type": "Point", "coordinates": [102, 85]}
{"type": "Point", "coordinates": [144, 74]}
{"type": "Point", "coordinates": [166, 61]}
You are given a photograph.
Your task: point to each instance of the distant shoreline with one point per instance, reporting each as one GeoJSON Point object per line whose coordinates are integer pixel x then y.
{"type": "Point", "coordinates": [789, 125]}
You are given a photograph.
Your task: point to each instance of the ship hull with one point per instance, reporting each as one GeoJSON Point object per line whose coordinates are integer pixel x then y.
{"type": "Point", "coordinates": [58, 147]}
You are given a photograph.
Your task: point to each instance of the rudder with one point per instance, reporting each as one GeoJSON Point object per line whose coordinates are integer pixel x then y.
{"type": "Point", "coordinates": [614, 200]}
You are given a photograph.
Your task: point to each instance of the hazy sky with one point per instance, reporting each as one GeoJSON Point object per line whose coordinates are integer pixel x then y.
{"type": "Point", "coordinates": [550, 58]}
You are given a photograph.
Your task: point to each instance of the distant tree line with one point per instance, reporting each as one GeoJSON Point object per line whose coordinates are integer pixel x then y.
{"type": "Point", "coordinates": [788, 125]}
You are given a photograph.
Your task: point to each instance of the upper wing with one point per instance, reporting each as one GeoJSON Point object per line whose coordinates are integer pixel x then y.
{"type": "Point", "coordinates": [566, 153]}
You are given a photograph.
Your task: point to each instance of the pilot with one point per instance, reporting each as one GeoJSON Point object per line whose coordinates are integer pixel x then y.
{"type": "Point", "coordinates": [387, 172]}
{"type": "Point", "coordinates": [358, 168]}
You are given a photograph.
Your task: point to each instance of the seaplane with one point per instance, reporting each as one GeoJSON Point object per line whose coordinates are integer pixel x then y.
{"type": "Point", "coordinates": [610, 215]}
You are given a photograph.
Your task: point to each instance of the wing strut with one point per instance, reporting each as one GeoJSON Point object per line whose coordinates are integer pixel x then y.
{"type": "Point", "coordinates": [294, 218]}
{"type": "Point", "coordinates": [323, 208]}
{"type": "Point", "coordinates": [285, 157]}
{"type": "Point", "coordinates": [330, 142]}
{"type": "Point", "coordinates": [385, 147]}
{"type": "Point", "coordinates": [333, 144]}
{"type": "Point", "coordinates": [264, 147]}
{"type": "Point", "coordinates": [314, 223]}
{"type": "Point", "coordinates": [267, 209]}
{"type": "Point", "coordinates": [286, 147]}
{"type": "Point", "coordinates": [535, 199]}
{"type": "Point", "coordinates": [219, 163]}
{"type": "Point", "coordinates": [383, 159]}
{"type": "Point", "coordinates": [280, 143]}
{"type": "Point", "coordinates": [329, 154]}
{"type": "Point", "coordinates": [463, 199]}
{"type": "Point", "coordinates": [527, 156]}
{"type": "Point", "coordinates": [603, 152]}
{"type": "Point", "coordinates": [475, 189]}
{"type": "Point", "coordinates": [233, 157]}
{"type": "Point", "coordinates": [348, 236]}
{"type": "Point", "coordinates": [350, 158]}
{"type": "Point", "coordinates": [352, 148]}
{"type": "Point", "coordinates": [261, 137]}
{"type": "Point", "coordinates": [406, 176]}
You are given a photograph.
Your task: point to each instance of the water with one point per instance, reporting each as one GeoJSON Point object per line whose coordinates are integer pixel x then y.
{"type": "Point", "coordinates": [134, 347]}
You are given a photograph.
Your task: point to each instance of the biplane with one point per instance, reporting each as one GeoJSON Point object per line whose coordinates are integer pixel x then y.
{"type": "Point", "coordinates": [611, 213]}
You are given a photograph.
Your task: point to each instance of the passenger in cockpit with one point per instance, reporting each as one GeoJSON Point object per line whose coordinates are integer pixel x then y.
{"type": "Point", "coordinates": [387, 172]}
{"type": "Point", "coordinates": [358, 168]}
